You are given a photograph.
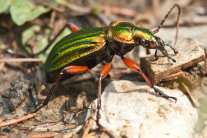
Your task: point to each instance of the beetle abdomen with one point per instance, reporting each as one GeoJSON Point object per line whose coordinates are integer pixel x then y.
{"type": "Point", "coordinates": [75, 46]}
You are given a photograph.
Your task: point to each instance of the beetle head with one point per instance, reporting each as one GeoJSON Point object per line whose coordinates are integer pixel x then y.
{"type": "Point", "coordinates": [160, 45]}
{"type": "Point", "coordinates": [147, 39]}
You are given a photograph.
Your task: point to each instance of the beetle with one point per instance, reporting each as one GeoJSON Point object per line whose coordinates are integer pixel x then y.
{"type": "Point", "coordinates": [84, 49]}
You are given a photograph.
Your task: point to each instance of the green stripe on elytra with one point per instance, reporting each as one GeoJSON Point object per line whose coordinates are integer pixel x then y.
{"type": "Point", "coordinates": [81, 34]}
{"type": "Point", "coordinates": [70, 50]}
{"type": "Point", "coordinates": [76, 37]}
{"type": "Point", "coordinates": [68, 58]}
{"type": "Point", "coordinates": [69, 46]}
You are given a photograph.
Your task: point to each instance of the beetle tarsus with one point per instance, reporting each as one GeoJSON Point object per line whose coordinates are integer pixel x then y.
{"type": "Point", "coordinates": [164, 95]}
{"type": "Point", "coordinates": [173, 59]}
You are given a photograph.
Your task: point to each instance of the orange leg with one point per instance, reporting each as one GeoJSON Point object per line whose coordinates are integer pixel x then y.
{"type": "Point", "coordinates": [73, 27]}
{"type": "Point", "coordinates": [134, 66]}
{"type": "Point", "coordinates": [68, 69]}
{"type": "Point", "coordinates": [103, 73]}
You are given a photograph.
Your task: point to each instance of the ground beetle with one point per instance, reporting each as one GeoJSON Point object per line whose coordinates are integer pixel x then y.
{"type": "Point", "coordinates": [84, 49]}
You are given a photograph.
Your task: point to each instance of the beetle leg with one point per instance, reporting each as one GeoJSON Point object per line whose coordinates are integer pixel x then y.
{"type": "Point", "coordinates": [73, 27]}
{"type": "Point", "coordinates": [156, 57]}
{"type": "Point", "coordinates": [103, 73]}
{"type": "Point", "coordinates": [134, 66]}
{"type": "Point", "coordinates": [68, 69]}
{"type": "Point", "coordinates": [147, 51]}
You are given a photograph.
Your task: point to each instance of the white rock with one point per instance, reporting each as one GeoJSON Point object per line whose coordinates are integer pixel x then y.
{"type": "Point", "coordinates": [132, 109]}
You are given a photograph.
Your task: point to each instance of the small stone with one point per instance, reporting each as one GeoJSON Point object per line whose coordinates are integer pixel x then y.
{"type": "Point", "coordinates": [189, 53]}
{"type": "Point", "coordinates": [133, 109]}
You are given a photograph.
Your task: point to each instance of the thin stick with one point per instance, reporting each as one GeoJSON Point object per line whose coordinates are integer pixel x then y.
{"type": "Point", "coordinates": [43, 135]}
{"type": "Point", "coordinates": [205, 65]}
{"type": "Point", "coordinates": [1, 65]}
{"type": "Point", "coordinates": [51, 6]}
{"type": "Point", "coordinates": [177, 26]}
{"type": "Point", "coordinates": [114, 10]}
{"type": "Point", "coordinates": [192, 99]}
{"type": "Point", "coordinates": [14, 121]}
{"type": "Point", "coordinates": [119, 11]}
{"type": "Point", "coordinates": [178, 19]}
{"type": "Point", "coordinates": [22, 60]}
{"type": "Point", "coordinates": [173, 76]}
{"type": "Point", "coordinates": [168, 13]}
{"type": "Point", "coordinates": [89, 121]}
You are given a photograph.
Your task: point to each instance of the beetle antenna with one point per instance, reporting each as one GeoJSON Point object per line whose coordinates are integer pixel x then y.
{"type": "Point", "coordinates": [177, 25]}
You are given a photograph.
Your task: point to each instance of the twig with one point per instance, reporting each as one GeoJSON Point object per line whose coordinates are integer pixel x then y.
{"type": "Point", "coordinates": [50, 6]}
{"type": "Point", "coordinates": [114, 10]}
{"type": "Point", "coordinates": [103, 19]}
{"type": "Point", "coordinates": [118, 11]}
{"type": "Point", "coordinates": [43, 135]}
{"type": "Point", "coordinates": [185, 24]}
{"type": "Point", "coordinates": [180, 73]}
{"type": "Point", "coordinates": [1, 65]}
{"type": "Point", "coordinates": [22, 60]}
{"type": "Point", "coordinates": [14, 121]}
{"type": "Point", "coordinates": [89, 121]}
{"type": "Point", "coordinates": [52, 19]}
{"type": "Point", "coordinates": [75, 7]}
{"type": "Point", "coordinates": [189, 95]}
{"type": "Point", "coordinates": [205, 65]}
